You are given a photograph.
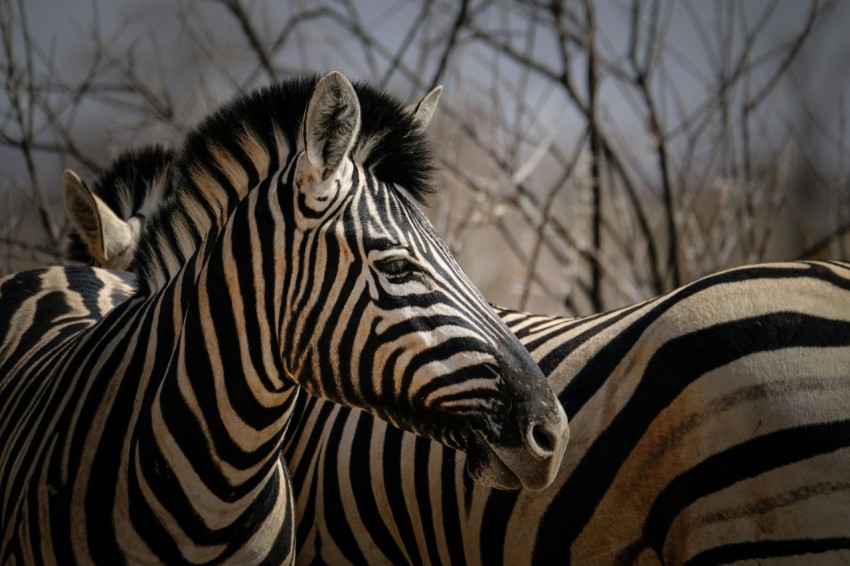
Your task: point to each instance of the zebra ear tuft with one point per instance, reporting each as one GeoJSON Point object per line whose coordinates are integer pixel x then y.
{"type": "Point", "coordinates": [331, 124]}
{"type": "Point", "coordinates": [423, 110]}
{"type": "Point", "coordinates": [106, 236]}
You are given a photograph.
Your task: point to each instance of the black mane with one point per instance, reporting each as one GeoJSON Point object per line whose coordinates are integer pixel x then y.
{"type": "Point", "coordinates": [397, 150]}
{"type": "Point", "coordinates": [253, 133]}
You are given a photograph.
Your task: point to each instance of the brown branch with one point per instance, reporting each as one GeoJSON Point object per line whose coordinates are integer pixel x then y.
{"type": "Point", "coordinates": [641, 75]}
{"type": "Point", "coordinates": [460, 19]}
{"type": "Point", "coordinates": [539, 238]}
{"type": "Point", "coordinates": [824, 242]}
{"type": "Point", "coordinates": [18, 86]}
{"type": "Point", "coordinates": [595, 155]}
{"type": "Point", "coordinates": [415, 27]}
{"type": "Point", "coordinates": [796, 44]}
{"type": "Point", "coordinates": [250, 33]}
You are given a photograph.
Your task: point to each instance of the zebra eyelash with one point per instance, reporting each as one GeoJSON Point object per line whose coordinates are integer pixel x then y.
{"type": "Point", "coordinates": [398, 269]}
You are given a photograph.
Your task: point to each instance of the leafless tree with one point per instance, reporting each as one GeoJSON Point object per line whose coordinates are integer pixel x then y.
{"type": "Point", "coordinates": [593, 154]}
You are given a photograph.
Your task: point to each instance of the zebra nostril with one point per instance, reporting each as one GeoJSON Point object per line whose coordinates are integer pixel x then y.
{"type": "Point", "coordinates": [541, 440]}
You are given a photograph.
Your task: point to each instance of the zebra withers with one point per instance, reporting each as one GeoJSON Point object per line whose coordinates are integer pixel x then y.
{"type": "Point", "coordinates": [289, 253]}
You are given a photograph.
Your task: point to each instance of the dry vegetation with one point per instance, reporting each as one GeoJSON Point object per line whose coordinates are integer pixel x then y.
{"type": "Point", "coordinates": [594, 153]}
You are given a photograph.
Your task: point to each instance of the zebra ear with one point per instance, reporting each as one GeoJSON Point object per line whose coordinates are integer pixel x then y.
{"type": "Point", "coordinates": [331, 124]}
{"type": "Point", "coordinates": [106, 236]}
{"type": "Point", "coordinates": [423, 110]}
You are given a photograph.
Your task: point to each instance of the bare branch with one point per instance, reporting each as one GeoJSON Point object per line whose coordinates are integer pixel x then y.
{"type": "Point", "coordinates": [238, 12]}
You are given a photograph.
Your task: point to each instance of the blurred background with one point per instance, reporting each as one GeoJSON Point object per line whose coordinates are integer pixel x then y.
{"type": "Point", "coordinates": [593, 153]}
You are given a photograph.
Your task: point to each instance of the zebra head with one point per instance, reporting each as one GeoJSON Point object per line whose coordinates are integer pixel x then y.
{"type": "Point", "coordinates": [380, 315]}
{"type": "Point", "coordinates": [375, 311]}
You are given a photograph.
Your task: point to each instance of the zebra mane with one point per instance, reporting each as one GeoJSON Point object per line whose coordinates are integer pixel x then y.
{"type": "Point", "coordinates": [134, 184]}
{"type": "Point", "coordinates": [248, 139]}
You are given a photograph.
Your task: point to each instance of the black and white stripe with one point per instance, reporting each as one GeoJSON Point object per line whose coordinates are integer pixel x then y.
{"type": "Point", "coordinates": [710, 425]}
{"type": "Point", "coordinates": [698, 386]}
{"type": "Point", "coordinates": [149, 429]}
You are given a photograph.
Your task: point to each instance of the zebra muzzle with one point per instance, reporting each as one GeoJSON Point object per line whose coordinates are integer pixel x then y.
{"type": "Point", "coordinates": [525, 450]}
{"type": "Point", "coordinates": [536, 459]}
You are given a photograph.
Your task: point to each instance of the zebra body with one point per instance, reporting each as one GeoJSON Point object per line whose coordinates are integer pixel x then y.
{"type": "Point", "coordinates": [79, 452]}
{"type": "Point", "coordinates": [288, 254]}
{"type": "Point", "coordinates": [710, 425]}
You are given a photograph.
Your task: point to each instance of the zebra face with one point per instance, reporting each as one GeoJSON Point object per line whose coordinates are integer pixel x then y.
{"type": "Point", "coordinates": [378, 315]}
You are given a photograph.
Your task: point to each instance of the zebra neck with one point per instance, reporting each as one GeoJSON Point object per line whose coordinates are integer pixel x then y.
{"type": "Point", "coordinates": [209, 450]}
{"type": "Point", "coordinates": [209, 183]}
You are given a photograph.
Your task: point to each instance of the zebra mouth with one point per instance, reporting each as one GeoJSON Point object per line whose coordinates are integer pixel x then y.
{"type": "Point", "coordinates": [484, 466]}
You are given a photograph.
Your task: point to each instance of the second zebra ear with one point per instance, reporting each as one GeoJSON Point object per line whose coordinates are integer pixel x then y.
{"type": "Point", "coordinates": [423, 110]}
{"type": "Point", "coordinates": [109, 239]}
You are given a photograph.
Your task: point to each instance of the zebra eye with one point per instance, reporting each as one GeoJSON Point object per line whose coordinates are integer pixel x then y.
{"type": "Point", "coordinates": [397, 269]}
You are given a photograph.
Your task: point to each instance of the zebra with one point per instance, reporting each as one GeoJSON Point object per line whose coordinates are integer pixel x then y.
{"type": "Point", "coordinates": [677, 406]}
{"type": "Point", "coordinates": [709, 425]}
{"type": "Point", "coordinates": [144, 424]}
